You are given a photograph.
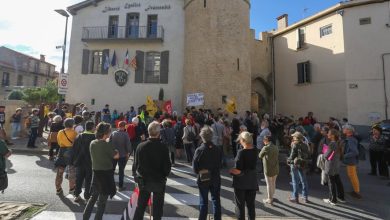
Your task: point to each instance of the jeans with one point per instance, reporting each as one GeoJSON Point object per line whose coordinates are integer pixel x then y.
{"type": "Point", "coordinates": [298, 176]}
{"type": "Point", "coordinates": [158, 203]}
{"type": "Point", "coordinates": [204, 200]}
{"type": "Point", "coordinates": [122, 164]}
{"type": "Point", "coordinates": [352, 175]}
{"type": "Point", "coordinates": [271, 186]}
{"type": "Point", "coordinates": [33, 137]}
{"type": "Point", "coordinates": [15, 129]}
{"type": "Point", "coordinates": [336, 188]}
{"type": "Point", "coordinates": [101, 205]}
{"type": "Point", "coordinates": [83, 173]}
{"type": "Point", "coordinates": [189, 154]}
{"type": "Point", "coordinates": [243, 197]}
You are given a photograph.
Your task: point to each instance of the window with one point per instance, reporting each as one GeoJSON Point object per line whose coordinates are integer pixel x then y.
{"type": "Point", "coordinates": [97, 61]}
{"type": "Point", "coordinates": [19, 82]}
{"type": "Point", "coordinates": [36, 67]}
{"type": "Point", "coordinates": [152, 26]}
{"type": "Point", "coordinates": [304, 73]}
{"type": "Point", "coordinates": [113, 26]}
{"type": "Point", "coordinates": [5, 80]}
{"type": "Point", "coordinates": [133, 25]}
{"type": "Point", "coordinates": [35, 80]}
{"type": "Point", "coordinates": [326, 30]}
{"type": "Point", "coordinates": [364, 21]}
{"type": "Point", "coordinates": [152, 67]}
{"type": "Point", "coordinates": [301, 38]}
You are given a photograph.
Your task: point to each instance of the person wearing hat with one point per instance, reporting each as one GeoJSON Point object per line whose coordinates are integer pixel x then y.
{"type": "Point", "coordinates": [245, 177]}
{"type": "Point", "coordinates": [298, 161]}
{"type": "Point", "coordinates": [33, 126]}
{"type": "Point", "coordinates": [16, 120]}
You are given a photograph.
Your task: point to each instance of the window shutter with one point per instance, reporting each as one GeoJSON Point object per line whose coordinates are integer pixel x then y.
{"type": "Point", "coordinates": [307, 72]}
{"type": "Point", "coordinates": [106, 54]}
{"type": "Point", "coordinates": [85, 62]}
{"type": "Point", "coordinates": [300, 73]}
{"type": "Point", "coordinates": [164, 67]}
{"type": "Point", "coordinates": [139, 72]}
{"type": "Point", "coordinates": [298, 40]}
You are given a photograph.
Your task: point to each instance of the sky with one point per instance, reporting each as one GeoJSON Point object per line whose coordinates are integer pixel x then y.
{"type": "Point", "coordinates": [33, 27]}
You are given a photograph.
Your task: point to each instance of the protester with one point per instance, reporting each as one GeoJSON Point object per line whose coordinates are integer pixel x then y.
{"type": "Point", "coordinates": [82, 161]}
{"type": "Point", "coordinates": [4, 154]}
{"type": "Point", "coordinates": [235, 132]}
{"type": "Point", "coordinates": [55, 127]}
{"type": "Point", "coordinates": [151, 168]}
{"type": "Point", "coordinates": [78, 127]}
{"type": "Point", "coordinates": [131, 114]}
{"type": "Point", "coordinates": [179, 132]}
{"type": "Point", "coordinates": [270, 157]}
{"type": "Point", "coordinates": [121, 142]}
{"type": "Point", "coordinates": [227, 137]}
{"type": "Point", "coordinates": [377, 150]}
{"type": "Point", "coordinates": [169, 139]}
{"type": "Point", "coordinates": [325, 140]}
{"type": "Point", "coordinates": [16, 120]}
{"type": "Point", "coordinates": [218, 128]}
{"type": "Point", "coordinates": [298, 161]}
{"type": "Point", "coordinates": [33, 127]}
{"type": "Point", "coordinates": [65, 139]}
{"type": "Point", "coordinates": [188, 139]}
{"type": "Point", "coordinates": [314, 146]}
{"type": "Point", "coordinates": [244, 177]}
{"type": "Point", "coordinates": [103, 183]}
{"type": "Point", "coordinates": [264, 132]}
{"type": "Point", "coordinates": [106, 114]}
{"type": "Point", "coordinates": [351, 153]}
{"type": "Point", "coordinates": [58, 110]}
{"type": "Point", "coordinates": [332, 168]}
{"type": "Point", "coordinates": [134, 133]}
{"type": "Point", "coordinates": [207, 165]}
{"type": "Point", "coordinates": [3, 134]}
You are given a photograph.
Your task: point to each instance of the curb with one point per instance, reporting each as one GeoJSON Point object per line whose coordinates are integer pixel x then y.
{"type": "Point", "coordinates": [29, 151]}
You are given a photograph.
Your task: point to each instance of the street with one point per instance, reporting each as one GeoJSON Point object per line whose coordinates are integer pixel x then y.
{"type": "Point", "coordinates": [31, 179]}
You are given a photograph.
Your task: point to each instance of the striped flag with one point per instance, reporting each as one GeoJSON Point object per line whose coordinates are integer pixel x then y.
{"type": "Point", "coordinates": [134, 63]}
{"type": "Point", "coordinates": [127, 58]}
{"type": "Point", "coordinates": [107, 62]}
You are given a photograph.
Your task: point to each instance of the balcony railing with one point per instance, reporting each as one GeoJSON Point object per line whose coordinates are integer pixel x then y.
{"type": "Point", "coordinates": [123, 33]}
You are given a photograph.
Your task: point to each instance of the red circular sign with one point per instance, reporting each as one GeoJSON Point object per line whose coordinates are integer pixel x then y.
{"type": "Point", "coordinates": [64, 82]}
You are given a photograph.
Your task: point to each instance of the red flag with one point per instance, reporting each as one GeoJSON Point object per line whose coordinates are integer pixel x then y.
{"type": "Point", "coordinates": [168, 107]}
{"type": "Point", "coordinates": [134, 63]}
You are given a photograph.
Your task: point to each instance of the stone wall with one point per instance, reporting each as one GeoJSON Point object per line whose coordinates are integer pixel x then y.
{"type": "Point", "coordinates": [10, 107]}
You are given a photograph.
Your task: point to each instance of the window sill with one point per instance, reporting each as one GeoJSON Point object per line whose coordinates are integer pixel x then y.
{"type": "Point", "coordinates": [303, 84]}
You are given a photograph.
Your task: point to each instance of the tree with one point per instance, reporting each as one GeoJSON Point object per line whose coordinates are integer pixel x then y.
{"type": "Point", "coordinates": [15, 95]}
{"type": "Point", "coordinates": [46, 94]}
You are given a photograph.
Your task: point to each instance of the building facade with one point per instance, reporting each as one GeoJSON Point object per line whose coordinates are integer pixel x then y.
{"type": "Point", "coordinates": [181, 46]}
{"type": "Point", "coordinates": [20, 71]}
{"type": "Point", "coordinates": [335, 63]}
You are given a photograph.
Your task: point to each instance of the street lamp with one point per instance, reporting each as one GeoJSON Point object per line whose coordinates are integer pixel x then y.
{"type": "Point", "coordinates": [65, 14]}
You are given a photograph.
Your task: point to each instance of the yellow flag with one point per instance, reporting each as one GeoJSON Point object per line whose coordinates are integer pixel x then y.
{"type": "Point", "coordinates": [231, 105]}
{"type": "Point", "coordinates": [151, 106]}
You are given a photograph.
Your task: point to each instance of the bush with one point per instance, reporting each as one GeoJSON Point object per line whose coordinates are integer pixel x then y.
{"type": "Point", "coordinates": [47, 94]}
{"type": "Point", "coordinates": [15, 95]}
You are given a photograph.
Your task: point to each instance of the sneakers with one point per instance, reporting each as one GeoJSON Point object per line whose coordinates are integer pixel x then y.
{"type": "Point", "coordinates": [78, 199]}
{"type": "Point", "coordinates": [341, 200]}
{"type": "Point", "coordinates": [329, 202]}
{"type": "Point", "coordinates": [304, 200]}
{"type": "Point", "coordinates": [293, 200]}
{"type": "Point", "coordinates": [355, 195]}
{"type": "Point", "coordinates": [59, 192]}
{"type": "Point", "coordinates": [267, 201]}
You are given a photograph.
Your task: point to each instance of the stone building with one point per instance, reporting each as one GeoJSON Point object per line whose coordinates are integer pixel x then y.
{"type": "Point", "coordinates": [23, 71]}
{"type": "Point", "coordinates": [181, 46]}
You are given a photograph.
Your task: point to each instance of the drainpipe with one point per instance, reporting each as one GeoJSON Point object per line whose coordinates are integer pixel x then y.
{"type": "Point", "coordinates": [273, 76]}
{"type": "Point", "coordinates": [384, 83]}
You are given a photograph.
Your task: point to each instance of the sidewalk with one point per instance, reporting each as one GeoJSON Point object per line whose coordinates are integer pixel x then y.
{"type": "Point", "coordinates": [20, 146]}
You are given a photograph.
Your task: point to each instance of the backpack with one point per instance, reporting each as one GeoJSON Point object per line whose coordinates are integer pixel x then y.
{"type": "Point", "coordinates": [191, 135]}
{"type": "Point", "coordinates": [179, 131]}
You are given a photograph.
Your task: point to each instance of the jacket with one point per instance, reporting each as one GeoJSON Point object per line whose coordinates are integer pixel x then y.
{"type": "Point", "coordinates": [246, 161]}
{"type": "Point", "coordinates": [351, 151]}
{"type": "Point", "coordinates": [378, 145]}
{"type": "Point", "coordinates": [332, 167]}
{"type": "Point", "coordinates": [270, 156]}
{"type": "Point", "coordinates": [209, 157]}
{"type": "Point", "coordinates": [81, 153]}
{"type": "Point", "coordinates": [186, 130]}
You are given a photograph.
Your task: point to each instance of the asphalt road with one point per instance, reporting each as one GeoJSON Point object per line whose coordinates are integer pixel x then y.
{"type": "Point", "coordinates": [31, 179]}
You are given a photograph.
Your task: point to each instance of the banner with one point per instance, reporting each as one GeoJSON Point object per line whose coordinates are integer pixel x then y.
{"type": "Point", "coordinates": [151, 106]}
{"type": "Point", "coordinates": [195, 99]}
{"type": "Point", "coordinates": [168, 107]}
{"type": "Point", "coordinates": [231, 105]}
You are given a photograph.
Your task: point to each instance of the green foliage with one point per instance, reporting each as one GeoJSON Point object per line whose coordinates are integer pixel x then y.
{"type": "Point", "coordinates": [15, 95]}
{"type": "Point", "coordinates": [47, 94]}
{"type": "Point", "coordinates": [161, 94]}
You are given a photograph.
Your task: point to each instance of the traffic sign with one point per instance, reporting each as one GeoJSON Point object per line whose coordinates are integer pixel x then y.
{"type": "Point", "coordinates": [63, 83]}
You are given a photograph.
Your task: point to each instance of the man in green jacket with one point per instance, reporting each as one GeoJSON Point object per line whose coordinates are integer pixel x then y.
{"type": "Point", "coordinates": [270, 156]}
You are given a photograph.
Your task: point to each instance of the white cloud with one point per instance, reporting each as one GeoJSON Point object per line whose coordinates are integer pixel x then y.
{"type": "Point", "coordinates": [33, 27]}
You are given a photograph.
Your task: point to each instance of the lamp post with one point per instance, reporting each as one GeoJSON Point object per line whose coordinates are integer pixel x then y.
{"type": "Point", "coordinates": [65, 14]}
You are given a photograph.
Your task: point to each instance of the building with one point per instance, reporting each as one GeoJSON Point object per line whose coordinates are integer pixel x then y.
{"type": "Point", "coordinates": [335, 63]}
{"type": "Point", "coordinates": [181, 46]}
{"type": "Point", "coordinates": [22, 71]}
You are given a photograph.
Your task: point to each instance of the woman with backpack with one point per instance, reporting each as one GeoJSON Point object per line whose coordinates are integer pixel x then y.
{"type": "Point", "coordinates": [189, 136]}
{"type": "Point", "coordinates": [333, 156]}
{"type": "Point", "coordinates": [52, 143]}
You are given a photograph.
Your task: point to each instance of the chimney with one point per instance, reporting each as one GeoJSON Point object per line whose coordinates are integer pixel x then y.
{"type": "Point", "coordinates": [42, 58]}
{"type": "Point", "coordinates": [282, 22]}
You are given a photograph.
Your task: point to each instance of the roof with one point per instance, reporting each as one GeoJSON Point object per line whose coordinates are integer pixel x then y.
{"type": "Point", "coordinates": [74, 8]}
{"type": "Point", "coordinates": [338, 7]}
{"type": "Point", "coordinates": [25, 55]}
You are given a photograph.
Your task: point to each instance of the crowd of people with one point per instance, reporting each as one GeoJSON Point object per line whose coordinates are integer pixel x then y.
{"type": "Point", "coordinates": [84, 148]}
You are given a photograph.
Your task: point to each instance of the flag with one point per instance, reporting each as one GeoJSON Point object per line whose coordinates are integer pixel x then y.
{"type": "Point", "coordinates": [127, 58]}
{"type": "Point", "coordinates": [113, 61]}
{"type": "Point", "coordinates": [231, 105]}
{"type": "Point", "coordinates": [151, 106]}
{"type": "Point", "coordinates": [107, 62]}
{"type": "Point", "coordinates": [142, 116]}
{"type": "Point", "coordinates": [168, 107]}
{"type": "Point", "coordinates": [134, 63]}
